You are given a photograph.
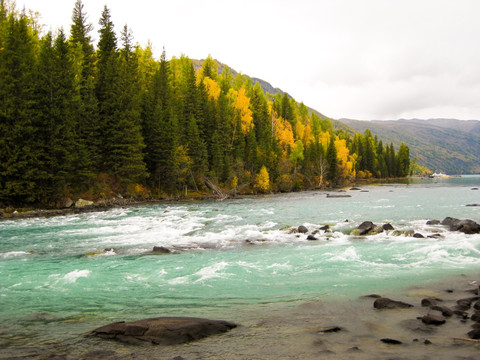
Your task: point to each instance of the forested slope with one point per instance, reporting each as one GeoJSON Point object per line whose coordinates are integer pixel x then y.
{"type": "Point", "coordinates": [78, 119]}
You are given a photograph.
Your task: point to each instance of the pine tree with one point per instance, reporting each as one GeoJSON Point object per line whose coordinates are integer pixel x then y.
{"type": "Point", "coordinates": [18, 163]}
{"type": "Point", "coordinates": [332, 161]}
{"type": "Point", "coordinates": [87, 125]}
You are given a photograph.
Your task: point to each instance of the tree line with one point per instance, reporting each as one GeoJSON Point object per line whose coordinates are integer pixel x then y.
{"type": "Point", "coordinates": [94, 121]}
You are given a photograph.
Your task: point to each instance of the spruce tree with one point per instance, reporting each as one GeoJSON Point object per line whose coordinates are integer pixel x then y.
{"type": "Point", "coordinates": [18, 161]}
{"type": "Point", "coordinates": [332, 161]}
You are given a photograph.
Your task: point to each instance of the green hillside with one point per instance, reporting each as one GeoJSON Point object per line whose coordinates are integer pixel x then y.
{"type": "Point", "coordinates": [447, 145]}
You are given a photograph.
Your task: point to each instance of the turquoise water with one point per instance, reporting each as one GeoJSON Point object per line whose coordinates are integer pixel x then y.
{"type": "Point", "coordinates": [70, 274]}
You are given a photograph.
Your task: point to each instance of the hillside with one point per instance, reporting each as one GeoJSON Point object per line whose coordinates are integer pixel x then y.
{"type": "Point", "coordinates": [447, 145]}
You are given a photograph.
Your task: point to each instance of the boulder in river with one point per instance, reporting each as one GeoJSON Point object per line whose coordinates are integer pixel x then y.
{"type": "Point", "coordinates": [311, 237]}
{"type": "Point", "coordinates": [433, 222]}
{"type": "Point", "coordinates": [302, 229]}
{"type": "Point", "coordinates": [388, 227]}
{"type": "Point", "coordinates": [466, 226]}
{"type": "Point", "coordinates": [386, 303]}
{"type": "Point", "coordinates": [162, 330]}
{"type": "Point", "coordinates": [365, 227]}
{"type": "Point", "coordinates": [433, 319]}
{"type": "Point", "coordinates": [161, 250]}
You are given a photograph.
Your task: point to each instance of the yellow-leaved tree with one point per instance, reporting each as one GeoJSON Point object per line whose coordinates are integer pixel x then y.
{"type": "Point", "coordinates": [346, 162]}
{"type": "Point", "coordinates": [213, 89]}
{"type": "Point", "coordinates": [262, 180]}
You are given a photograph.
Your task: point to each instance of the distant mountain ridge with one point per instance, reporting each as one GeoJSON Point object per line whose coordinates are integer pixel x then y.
{"type": "Point", "coordinates": [448, 145]}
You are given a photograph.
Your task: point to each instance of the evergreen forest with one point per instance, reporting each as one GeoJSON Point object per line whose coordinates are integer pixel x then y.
{"type": "Point", "coordinates": [87, 120]}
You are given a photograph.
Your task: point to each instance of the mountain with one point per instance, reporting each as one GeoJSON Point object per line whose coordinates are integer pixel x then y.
{"type": "Point", "coordinates": [448, 145]}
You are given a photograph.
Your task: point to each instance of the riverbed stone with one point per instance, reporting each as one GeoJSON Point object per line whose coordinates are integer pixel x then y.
{"type": "Point", "coordinates": [433, 319]}
{"type": "Point", "coordinates": [365, 227]}
{"type": "Point", "coordinates": [311, 237]}
{"type": "Point", "coordinates": [386, 303]}
{"type": "Point", "coordinates": [161, 250]}
{"type": "Point", "coordinates": [388, 227]}
{"type": "Point", "coordinates": [162, 330]}
{"type": "Point", "coordinates": [302, 229]}
{"type": "Point", "coordinates": [433, 222]}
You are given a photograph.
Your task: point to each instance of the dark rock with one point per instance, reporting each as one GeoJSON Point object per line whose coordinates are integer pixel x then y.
{"type": "Point", "coordinates": [434, 236]}
{"type": "Point", "coordinates": [373, 296]}
{"type": "Point", "coordinates": [338, 196]}
{"type": "Point", "coordinates": [433, 222]}
{"type": "Point", "coordinates": [460, 313]}
{"type": "Point", "coordinates": [311, 237]}
{"type": "Point", "coordinates": [325, 228]}
{"type": "Point", "coordinates": [474, 334]}
{"type": "Point", "coordinates": [472, 205]}
{"type": "Point", "coordinates": [476, 306]}
{"type": "Point", "coordinates": [432, 319]}
{"type": "Point", "coordinates": [355, 188]}
{"type": "Point", "coordinates": [476, 325]}
{"type": "Point", "coordinates": [386, 303]}
{"type": "Point", "coordinates": [163, 330]}
{"type": "Point", "coordinates": [391, 341]}
{"type": "Point", "coordinates": [417, 326]}
{"type": "Point", "coordinates": [474, 188]}
{"type": "Point", "coordinates": [449, 221]}
{"type": "Point", "coordinates": [465, 304]}
{"type": "Point", "coordinates": [160, 250]}
{"type": "Point", "coordinates": [466, 226]}
{"type": "Point", "coordinates": [330, 329]}
{"type": "Point", "coordinates": [427, 342]}
{"type": "Point", "coordinates": [476, 316]}
{"type": "Point", "coordinates": [354, 349]}
{"type": "Point", "coordinates": [388, 227]}
{"type": "Point", "coordinates": [430, 301]}
{"type": "Point", "coordinates": [364, 191]}
{"type": "Point", "coordinates": [302, 229]}
{"type": "Point", "coordinates": [446, 311]}
{"type": "Point", "coordinates": [418, 236]}
{"type": "Point", "coordinates": [365, 227]}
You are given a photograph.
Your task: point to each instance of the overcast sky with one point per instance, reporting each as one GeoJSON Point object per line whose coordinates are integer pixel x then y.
{"type": "Point", "coordinates": [370, 59]}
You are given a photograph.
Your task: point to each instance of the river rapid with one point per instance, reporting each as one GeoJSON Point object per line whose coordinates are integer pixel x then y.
{"type": "Point", "coordinates": [235, 260]}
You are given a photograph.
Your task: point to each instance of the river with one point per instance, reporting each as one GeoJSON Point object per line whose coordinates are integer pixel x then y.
{"type": "Point", "coordinates": [236, 260]}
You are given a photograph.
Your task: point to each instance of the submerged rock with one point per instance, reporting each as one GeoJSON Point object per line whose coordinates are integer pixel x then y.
{"type": "Point", "coordinates": [311, 237]}
{"type": "Point", "coordinates": [161, 250]}
{"type": "Point", "coordinates": [386, 303]}
{"type": "Point", "coordinates": [162, 330]}
{"type": "Point", "coordinates": [433, 222]}
{"type": "Point", "coordinates": [433, 319]}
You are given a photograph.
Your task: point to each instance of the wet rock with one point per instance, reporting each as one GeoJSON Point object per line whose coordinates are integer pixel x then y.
{"type": "Point", "coordinates": [391, 341]}
{"type": "Point", "coordinates": [311, 237]}
{"type": "Point", "coordinates": [365, 227]}
{"type": "Point", "coordinates": [418, 236]}
{"type": "Point", "coordinates": [325, 228]}
{"type": "Point", "coordinates": [355, 188]}
{"type": "Point", "coordinates": [417, 326]}
{"type": "Point", "coordinates": [434, 236]}
{"type": "Point", "coordinates": [160, 250]}
{"type": "Point", "coordinates": [449, 221]}
{"type": "Point", "coordinates": [427, 342]}
{"type": "Point", "coordinates": [460, 313]}
{"type": "Point", "coordinates": [472, 205]}
{"type": "Point", "coordinates": [476, 306]}
{"type": "Point", "coordinates": [386, 303]}
{"type": "Point", "coordinates": [466, 226]}
{"type": "Point", "coordinates": [474, 334]}
{"type": "Point", "coordinates": [433, 319]}
{"type": "Point", "coordinates": [302, 229]}
{"type": "Point", "coordinates": [474, 188]}
{"type": "Point", "coordinates": [388, 227]}
{"type": "Point", "coordinates": [430, 301]}
{"type": "Point", "coordinates": [338, 196]}
{"type": "Point", "coordinates": [446, 311]}
{"type": "Point", "coordinates": [162, 330]}
{"type": "Point", "coordinates": [433, 222]}
{"type": "Point", "coordinates": [476, 316]}
{"type": "Point", "coordinates": [373, 296]}
{"type": "Point", "coordinates": [465, 304]}
{"type": "Point", "coordinates": [330, 329]}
